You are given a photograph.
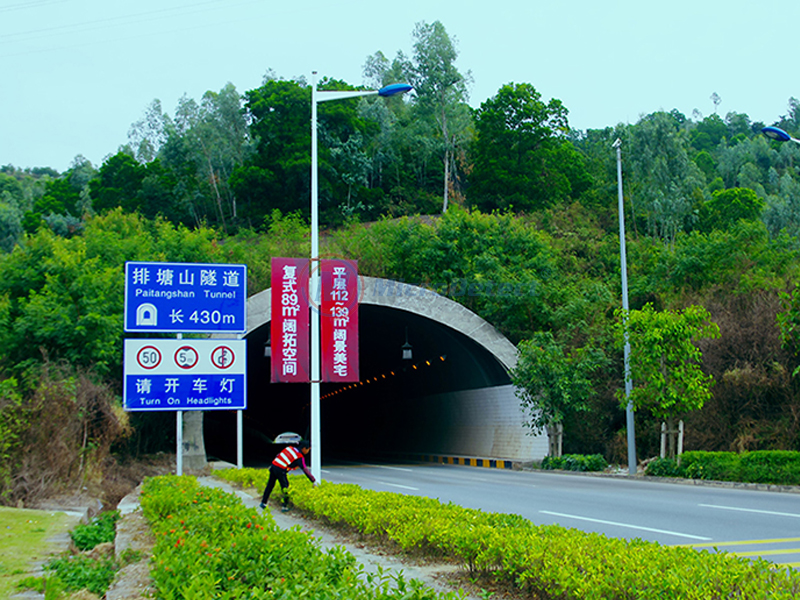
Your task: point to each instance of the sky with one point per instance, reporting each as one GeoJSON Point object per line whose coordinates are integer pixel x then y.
{"type": "Point", "coordinates": [76, 74]}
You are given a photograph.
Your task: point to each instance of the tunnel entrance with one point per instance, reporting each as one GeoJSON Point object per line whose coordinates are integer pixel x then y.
{"type": "Point", "coordinates": [453, 396]}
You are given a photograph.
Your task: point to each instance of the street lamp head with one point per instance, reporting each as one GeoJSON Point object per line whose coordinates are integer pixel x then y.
{"type": "Point", "coordinates": [776, 133]}
{"type": "Point", "coordinates": [394, 89]}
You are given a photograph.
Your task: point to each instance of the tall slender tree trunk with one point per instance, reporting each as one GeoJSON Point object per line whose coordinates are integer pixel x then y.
{"type": "Point", "coordinates": [446, 157]}
{"type": "Point", "coordinates": [446, 179]}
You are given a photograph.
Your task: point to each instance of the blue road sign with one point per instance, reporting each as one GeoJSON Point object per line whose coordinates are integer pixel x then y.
{"type": "Point", "coordinates": [161, 374]}
{"type": "Point", "coordinates": [185, 297]}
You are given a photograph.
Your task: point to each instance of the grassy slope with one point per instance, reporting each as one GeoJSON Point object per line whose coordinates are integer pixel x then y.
{"type": "Point", "coordinates": [24, 536]}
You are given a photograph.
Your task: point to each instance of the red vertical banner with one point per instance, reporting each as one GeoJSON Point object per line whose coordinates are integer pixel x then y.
{"type": "Point", "coordinates": [339, 320]}
{"type": "Point", "coordinates": [289, 324]}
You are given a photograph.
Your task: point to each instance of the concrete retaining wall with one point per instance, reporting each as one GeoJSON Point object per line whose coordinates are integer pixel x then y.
{"type": "Point", "coordinates": [487, 422]}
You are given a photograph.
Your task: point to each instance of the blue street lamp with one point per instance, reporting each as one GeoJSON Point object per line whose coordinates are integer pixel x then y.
{"type": "Point", "coordinates": [318, 96]}
{"type": "Point", "coordinates": [778, 134]}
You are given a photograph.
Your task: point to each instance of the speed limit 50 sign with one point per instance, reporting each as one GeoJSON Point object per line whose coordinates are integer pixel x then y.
{"type": "Point", "coordinates": [185, 375]}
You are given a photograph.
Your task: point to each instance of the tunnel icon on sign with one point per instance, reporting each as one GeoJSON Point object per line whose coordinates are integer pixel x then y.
{"type": "Point", "coordinates": [146, 314]}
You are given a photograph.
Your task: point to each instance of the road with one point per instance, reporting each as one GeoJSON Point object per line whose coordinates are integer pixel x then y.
{"type": "Point", "coordinates": [745, 522]}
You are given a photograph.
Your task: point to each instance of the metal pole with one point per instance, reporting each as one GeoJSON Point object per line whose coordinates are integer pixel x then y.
{"type": "Point", "coordinates": [179, 435]}
{"type": "Point", "coordinates": [314, 285]}
{"type": "Point", "coordinates": [239, 435]}
{"type": "Point", "coordinates": [627, 352]}
{"type": "Point", "coordinates": [239, 440]}
{"type": "Point", "coordinates": [179, 442]}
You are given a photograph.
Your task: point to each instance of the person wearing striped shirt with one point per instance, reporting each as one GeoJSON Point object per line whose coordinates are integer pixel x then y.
{"type": "Point", "coordinates": [288, 459]}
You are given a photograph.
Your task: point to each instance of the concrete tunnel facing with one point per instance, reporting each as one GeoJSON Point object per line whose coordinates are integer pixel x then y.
{"type": "Point", "coordinates": [454, 397]}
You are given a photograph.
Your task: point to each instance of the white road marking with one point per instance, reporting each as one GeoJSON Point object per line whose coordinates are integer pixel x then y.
{"type": "Point", "coordinates": [397, 485]}
{"type": "Point", "coordinates": [752, 510]}
{"type": "Point", "coordinates": [602, 522]}
{"type": "Point", "coordinates": [393, 468]}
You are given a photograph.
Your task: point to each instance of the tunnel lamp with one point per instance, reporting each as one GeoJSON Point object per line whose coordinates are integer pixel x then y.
{"type": "Point", "coordinates": [407, 353]}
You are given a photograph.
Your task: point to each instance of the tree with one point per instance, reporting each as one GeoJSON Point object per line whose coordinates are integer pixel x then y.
{"type": "Point", "coordinates": [663, 180]}
{"type": "Point", "coordinates": [715, 98]}
{"type": "Point", "coordinates": [150, 133]}
{"type": "Point", "coordinates": [10, 226]}
{"type": "Point", "coordinates": [665, 362]}
{"type": "Point", "coordinates": [117, 184]}
{"type": "Point", "coordinates": [61, 299]}
{"type": "Point", "coordinates": [552, 381]}
{"type": "Point", "coordinates": [727, 207]}
{"type": "Point", "coordinates": [440, 92]}
{"type": "Point", "coordinates": [215, 139]}
{"type": "Point", "coordinates": [519, 154]}
{"type": "Point", "coordinates": [64, 201]}
{"type": "Point", "coordinates": [198, 151]}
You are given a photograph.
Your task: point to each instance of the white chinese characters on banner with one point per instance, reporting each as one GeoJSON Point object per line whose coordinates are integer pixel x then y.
{"type": "Point", "coordinates": [339, 326]}
{"type": "Point", "coordinates": [290, 321]}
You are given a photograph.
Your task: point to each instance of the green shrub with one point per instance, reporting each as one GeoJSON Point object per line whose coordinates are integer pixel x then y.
{"type": "Point", "coordinates": [771, 466]}
{"type": "Point", "coordinates": [552, 463]}
{"type": "Point", "coordinates": [715, 466]}
{"type": "Point", "coordinates": [546, 561]}
{"type": "Point", "coordinates": [575, 462]}
{"type": "Point", "coordinates": [541, 561]}
{"type": "Point", "coordinates": [776, 467]}
{"type": "Point", "coordinates": [663, 467]}
{"type": "Point", "coordinates": [99, 530]}
{"type": "Point", "coordinates": [83, 572]}
{"type": "Point", "coordinates": [209, 545]}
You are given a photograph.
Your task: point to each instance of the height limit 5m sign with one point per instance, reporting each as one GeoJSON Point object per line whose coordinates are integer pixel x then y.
{"type": "Point", "coordinates": [162, 374]}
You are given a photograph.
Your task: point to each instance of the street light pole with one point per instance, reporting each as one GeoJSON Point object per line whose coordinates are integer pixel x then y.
{"type": "Point", "coordinates": [314, 281]}
{"type": "Point", "coordinates": [314, 293]}
{"type": "Point", "coordinates": [627, 351]}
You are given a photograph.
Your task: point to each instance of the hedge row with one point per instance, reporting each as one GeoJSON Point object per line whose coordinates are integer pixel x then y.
{"type": "Point", "coordinates": [575, 462]}
{"type": "Point", "coordinates": [547, 562]}
{"type": "Point", "coordinates": [776, 467]}
{"type": "Point", "coordinates": [209, 545]}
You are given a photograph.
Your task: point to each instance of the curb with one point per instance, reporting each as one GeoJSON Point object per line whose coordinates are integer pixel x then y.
{"type": "Point", "coordinates": [761, 487]}
{"type": "Point", "coordinates": [467, 461]}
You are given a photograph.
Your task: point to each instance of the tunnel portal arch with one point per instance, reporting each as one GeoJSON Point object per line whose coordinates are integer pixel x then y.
{"type": "Point", "coordinates": [463, 405]}
{"type": "Point", "coordinates": [412, 299]}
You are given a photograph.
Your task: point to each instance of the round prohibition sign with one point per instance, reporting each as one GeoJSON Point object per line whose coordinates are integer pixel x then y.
{"type": "Point", "coordinates": [222, 357]}
{"type": "Point", "coordinates": [186, 357]}
{"type": "Point", "coordinates": [148, 357]}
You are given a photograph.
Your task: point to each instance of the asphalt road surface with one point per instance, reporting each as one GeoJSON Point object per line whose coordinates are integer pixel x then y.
{"type": "Point", "coordinates": [749, 523]}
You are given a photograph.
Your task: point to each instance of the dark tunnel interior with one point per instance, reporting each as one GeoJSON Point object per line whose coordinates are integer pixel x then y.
{"type": "Point", "coordinates": [358, 421]}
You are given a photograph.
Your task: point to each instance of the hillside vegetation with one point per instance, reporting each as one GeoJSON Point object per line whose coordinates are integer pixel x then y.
{"type": "Point", "coordinates": [505, 201]}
